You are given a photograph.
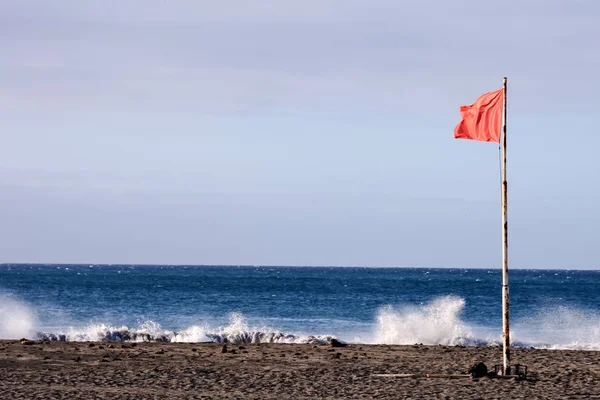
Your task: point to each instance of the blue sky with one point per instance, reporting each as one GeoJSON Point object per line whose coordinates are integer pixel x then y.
{"type": "Point", "coordinates": [296, 132]}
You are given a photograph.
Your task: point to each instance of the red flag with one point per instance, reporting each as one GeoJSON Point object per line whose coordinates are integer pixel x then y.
{"type": "Point", "coordinates": [481, 120]}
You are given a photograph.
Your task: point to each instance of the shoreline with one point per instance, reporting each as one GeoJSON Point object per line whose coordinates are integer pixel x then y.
{"type": "Point", "coordinates": [274, 371]}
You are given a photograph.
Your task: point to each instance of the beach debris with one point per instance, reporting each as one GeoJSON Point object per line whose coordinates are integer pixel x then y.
{"type": "Point", "coordinates": [336, 343]}
{"type": "Point", "coordinates": [478, 370]}
{"type": "Point", "coordinates": [26, 342]}
{"type": "Point", "coordinates": [224, 349]}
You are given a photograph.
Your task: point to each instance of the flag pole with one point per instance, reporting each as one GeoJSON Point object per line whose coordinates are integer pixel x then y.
{"type": "Point", "coordinates": [505, 301]}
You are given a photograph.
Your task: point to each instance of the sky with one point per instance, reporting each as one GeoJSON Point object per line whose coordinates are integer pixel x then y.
{"type": "Point", "coordinates": [313, 132]}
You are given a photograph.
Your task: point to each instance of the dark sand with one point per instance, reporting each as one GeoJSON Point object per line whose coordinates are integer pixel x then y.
{"type": "Point", "coordinates": [283, 371]}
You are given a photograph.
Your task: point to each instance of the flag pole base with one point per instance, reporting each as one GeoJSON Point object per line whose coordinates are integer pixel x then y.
{"type": "Point", "coordinates": [519, 370]}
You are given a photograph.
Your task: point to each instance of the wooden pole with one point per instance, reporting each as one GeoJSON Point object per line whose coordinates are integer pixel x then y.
{"type": "Point", "coordinates": [505, 297]}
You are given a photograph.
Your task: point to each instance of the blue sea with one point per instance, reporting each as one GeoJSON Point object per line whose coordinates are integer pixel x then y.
{"type": "Point", "coordinates": [558, 309]}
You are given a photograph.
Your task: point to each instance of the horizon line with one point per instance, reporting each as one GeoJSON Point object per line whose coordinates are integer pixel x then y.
{"type": "Point", "coordinates": [284, 266]}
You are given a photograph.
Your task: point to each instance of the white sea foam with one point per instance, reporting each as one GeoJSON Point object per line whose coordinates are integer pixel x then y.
{"type": "Point", "coordinates": [561, 328]}
{"type": "Point", "coordinates": [17, 320]}
{"type": "Point", "coordinates": [237, 331]}
{"type": "Point", "coordinates": [437, 322]}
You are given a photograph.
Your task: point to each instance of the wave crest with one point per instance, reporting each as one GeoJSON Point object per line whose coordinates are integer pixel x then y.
{"type": "Point", "coordinates": [437, 322]}
{"type": "Point", "coordinates": [236, 332]}
{"type": "Point", "coordinates": [17, 320]}
{"type": "Point", "coordinates": [561, 328]}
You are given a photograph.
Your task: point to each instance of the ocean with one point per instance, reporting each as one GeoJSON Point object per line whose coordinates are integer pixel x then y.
{"type": "Point", "coordinates": [558, 309]}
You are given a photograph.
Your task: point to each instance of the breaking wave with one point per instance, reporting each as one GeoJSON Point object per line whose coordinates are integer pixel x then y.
{"type": "Point", "coordinates": [437, 322]}
{"type": "Point", "coordinates": [16, 318]}
{"type": "Point", "coordinates": [236, 332]}
{"type": "Point", "coordinates": [561, 328]}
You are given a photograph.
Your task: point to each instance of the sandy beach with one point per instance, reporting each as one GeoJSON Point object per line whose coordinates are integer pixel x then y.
{"type": "Point", "coordinates": [58, 370]}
